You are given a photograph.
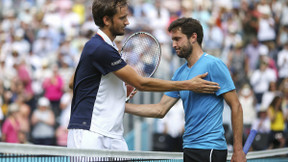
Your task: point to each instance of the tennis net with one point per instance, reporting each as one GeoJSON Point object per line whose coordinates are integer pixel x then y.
{"type": "Point", "coordinates": [38, 153]}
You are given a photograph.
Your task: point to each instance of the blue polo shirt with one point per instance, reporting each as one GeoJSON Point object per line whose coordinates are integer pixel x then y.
{"type": "Point", "coordinates": [203, 112]}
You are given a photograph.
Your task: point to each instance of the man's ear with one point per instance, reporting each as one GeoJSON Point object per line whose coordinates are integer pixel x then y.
{"type": "Point", "coordinates": [106, 20]}
{"type": "Point", "coordinates": [193, 38]}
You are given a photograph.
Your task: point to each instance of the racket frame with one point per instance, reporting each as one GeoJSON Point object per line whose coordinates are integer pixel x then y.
{"type": "Point", "coordinates": [159, 57]}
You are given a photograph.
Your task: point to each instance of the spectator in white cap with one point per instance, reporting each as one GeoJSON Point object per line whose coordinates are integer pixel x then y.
{"type": "Point", "coordinates": [265, 54]}
{"type": "Point", "coordinates": [43, 121]}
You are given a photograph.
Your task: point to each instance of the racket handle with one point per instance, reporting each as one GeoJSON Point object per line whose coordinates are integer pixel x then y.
{"type": "Point", "coordinates": [127, 99]}
{"type": "Point", "coordinates": [249, 140]}
{"type": "Point", "coordinates": [130, 95]}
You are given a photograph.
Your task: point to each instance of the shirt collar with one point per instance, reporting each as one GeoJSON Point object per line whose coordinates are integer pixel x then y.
{"type": "Point", "coordinates": [106, 39]}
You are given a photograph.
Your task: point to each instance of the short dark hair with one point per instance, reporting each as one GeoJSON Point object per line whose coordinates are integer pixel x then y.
{"type": "Point", "coordinates": [101, 8]}
{"type": "Point", "coordinates": [188, 26]}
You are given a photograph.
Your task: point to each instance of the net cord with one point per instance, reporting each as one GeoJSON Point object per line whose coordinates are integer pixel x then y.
{"type": "Point", "coordinates": [30, 149]}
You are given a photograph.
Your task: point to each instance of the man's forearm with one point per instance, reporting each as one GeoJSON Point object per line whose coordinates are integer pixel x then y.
{"type": "Point", "coordinates": [153, 84]}
{"type": "Point", "coordinates": [237, 124]}
{"type": "Point", "coordinates": [147, 110]}
{"type": "Point", "coordinates": [237, 118]}
{"type": "Point", "coordinates": [196, 84]}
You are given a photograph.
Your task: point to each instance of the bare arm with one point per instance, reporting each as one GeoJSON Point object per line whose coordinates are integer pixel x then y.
{"type": "Point", "coordinates": [50, 121]}
{"type": "Point", "coordinates": [196, 84]}
{"type": "Point", "coordinates": [34, 119]}
{"type": "Point", "coordinates": [231, 99]}
{"type": "Point", "coordinates": [158, 110]}
{"type": "Point", "coordinates": [71, 81]}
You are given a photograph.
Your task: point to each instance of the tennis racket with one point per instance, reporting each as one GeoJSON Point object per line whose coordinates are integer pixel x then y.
{"type": "Point", "coordinates": [142, 51]}
{"type": "Point", "coordinates": [249, 140]}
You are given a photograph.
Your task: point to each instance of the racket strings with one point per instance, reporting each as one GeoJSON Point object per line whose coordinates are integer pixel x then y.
{"type": "Point", "coordinates": [142, 53]}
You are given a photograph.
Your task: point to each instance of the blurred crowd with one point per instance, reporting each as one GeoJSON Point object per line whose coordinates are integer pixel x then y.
{"type": "Point", "coordinates": [41, 41]}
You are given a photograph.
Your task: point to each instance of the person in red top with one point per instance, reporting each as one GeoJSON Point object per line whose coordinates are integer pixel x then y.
{"type": "Point", "coordinates": [53, 90]}
{"type": "Point", "coordinates": [11, 126]}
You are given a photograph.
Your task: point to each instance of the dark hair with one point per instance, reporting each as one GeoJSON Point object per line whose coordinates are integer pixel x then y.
{"type": "Point", "coordinates": [188, 26]}
{"type": "Point", "coordinates": [101, 8]}
{"type": "Point", "coordinates": [277, 97]}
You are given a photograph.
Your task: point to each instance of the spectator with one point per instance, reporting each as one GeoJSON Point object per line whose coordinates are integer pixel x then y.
{"type": "Point", "coordinates": [202, 14]}
{"type": "Point", "coordinates": [11, 125]}
{"type": "Point", "coordinates": [269, 95]}
{"type": "Point", "coordinates": [62, 131]}
{"type": "Point", "coordinates": [262, 123]}
{"type": "Point", "coordinates": [252, 55]}
{"type": "Point", "coordinates": [24, 80]}
{"type": "Point", "coordinates": [248, 102]}
{"type": "Point", "coordinates": [79, 8]}
{"type": "Point", "coordinates": [263, 126]}
{"type": "Point", "coordinates": [232, 40]}
{"type": "Point", "coordinates": [284, 19]}
{"type": "Point", "coordinates": [43, 122]}
{"type": "Point", "coordinates": [250, 19]}
{"type": "Point", "coordinates": [236, 63]}
{"type": "Point", "coordinates": [43, 44]}
{"type": "Point", "coordinates": [159, 19]}
{"type": "Point", "coordinates": [53, 90]}
{"type": "Point", "coordinates": [1, 121]}
{"type": "Point", "coordinates": [266, 30]}
{"type": "Point", "coordinates": [277, 118]}
{"type": "Point", "coordinates": [261, 79]}
{"type": "Point", "coordinates": [282, 63]}
{"type": "Point", "coordinates": [282, 37]}
{"type": "Point", "coordinates": [264, 54]}
{"type": "Point", "coordinates": [7, 99]}
{"type": "Point", "coordinates": [24, 115]}
{"type": "Point", "coordinates": [284, 89]}
{"type": "Point", "coordinates": [213, 40]}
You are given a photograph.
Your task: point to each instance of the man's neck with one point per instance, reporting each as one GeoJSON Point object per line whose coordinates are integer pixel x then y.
{"type": "Point", "coordinates": [108, 33]}
{"type": "Point", "coordinates": [195, 56]}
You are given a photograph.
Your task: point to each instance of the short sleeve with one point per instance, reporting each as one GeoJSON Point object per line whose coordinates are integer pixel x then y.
{"type": "Point", "coordinates": [221, 75]}
{"type": "Point", "coordinates": [107, 60]}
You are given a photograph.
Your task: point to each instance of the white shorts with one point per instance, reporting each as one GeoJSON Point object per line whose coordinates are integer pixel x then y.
{"type": "Point", "coordinates": [80, 138]}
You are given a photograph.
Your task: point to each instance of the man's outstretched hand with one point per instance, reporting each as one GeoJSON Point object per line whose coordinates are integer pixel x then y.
{"type": "Point", "coordinates": [203, 86]}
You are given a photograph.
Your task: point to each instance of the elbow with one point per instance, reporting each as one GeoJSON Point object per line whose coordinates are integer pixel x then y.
{"type": "Point", "coordinates": [161, 114]}
{"type": "Point", "coordinates": [236, 108]}
{"type": "Point", "coordinates": [70, 86]}
{"type": "Point", "coordinates": [157, 112]}
{"type": "Point", "coordinates": [140, 86]}
{"type": "Point", "coordinates": [239, 108]}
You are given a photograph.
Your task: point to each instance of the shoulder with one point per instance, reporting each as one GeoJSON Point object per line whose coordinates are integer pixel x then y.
{"type": "Point", "coordinates": [97, 44]}
{"type": "Point", "coordinates": [212, 60]}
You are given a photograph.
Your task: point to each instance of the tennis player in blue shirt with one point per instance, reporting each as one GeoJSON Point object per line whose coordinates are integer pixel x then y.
{"type": "Point", "coordinates": [203, 139]}
{"type": "Point", "coordinates": [99, 91]}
